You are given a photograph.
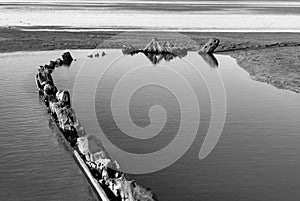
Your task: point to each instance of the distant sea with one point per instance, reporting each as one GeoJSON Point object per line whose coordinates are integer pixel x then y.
{"type": "Point", "coordinates": [166, 15]}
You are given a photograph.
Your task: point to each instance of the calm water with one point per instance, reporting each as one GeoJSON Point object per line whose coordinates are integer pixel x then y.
{"type": "Point", "coordinates": [193, 15]}
{"type": "Point", "coordinates": [256, 157]}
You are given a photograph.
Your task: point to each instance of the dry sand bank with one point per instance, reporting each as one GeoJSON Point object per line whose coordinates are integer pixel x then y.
{"type": "Point", "coordinates": [273, 58]}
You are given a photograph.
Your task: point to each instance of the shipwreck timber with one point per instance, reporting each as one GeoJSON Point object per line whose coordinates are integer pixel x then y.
{"type": "Point", "coordinates": [102, 173]}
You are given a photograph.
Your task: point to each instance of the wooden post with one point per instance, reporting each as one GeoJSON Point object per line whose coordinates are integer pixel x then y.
{"type": "Point", "coordinates": [210, 46]}
{"type": "Point", "coordinates": [153, 46]}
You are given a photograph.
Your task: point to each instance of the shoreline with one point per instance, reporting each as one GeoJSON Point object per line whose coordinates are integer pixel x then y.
{"type": "Point", "coordinates": [15, 39]}
{"type": "Point", "coordinates": [272, 58]}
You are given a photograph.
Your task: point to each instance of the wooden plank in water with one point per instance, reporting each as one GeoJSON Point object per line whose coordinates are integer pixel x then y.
{"type": "Point", "coordinates": [93, 182]}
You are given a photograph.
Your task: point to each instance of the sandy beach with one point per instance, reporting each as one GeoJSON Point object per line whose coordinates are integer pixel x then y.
{"type": "Point", "coordinates": [268, 57]}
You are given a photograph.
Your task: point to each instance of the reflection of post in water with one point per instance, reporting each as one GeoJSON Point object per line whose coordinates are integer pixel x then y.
{"type": "Point", "coordinates": [210, 59]}
{"type": "Point", "coordinates": [157, 52]}
{"type": "Point", "coordinates": [206, 52]}
{"type": "Point", "coordinates": [156, 58]}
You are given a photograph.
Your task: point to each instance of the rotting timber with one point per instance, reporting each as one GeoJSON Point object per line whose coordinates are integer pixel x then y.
{"type": "Point", "coordinates": [104, 175]}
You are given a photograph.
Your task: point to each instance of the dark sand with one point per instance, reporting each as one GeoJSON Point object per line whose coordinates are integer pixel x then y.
{"type": "Point", "coordinates": [273, 58]}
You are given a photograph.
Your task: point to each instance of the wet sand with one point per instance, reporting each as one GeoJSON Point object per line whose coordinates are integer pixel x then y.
{"type": "Point", "coordinates": [273, 58]}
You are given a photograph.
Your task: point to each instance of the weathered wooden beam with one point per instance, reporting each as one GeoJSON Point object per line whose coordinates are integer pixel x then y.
{"type": "Point", "coordinates": [153, 46]}
{"type": "Point", "coordinates": [67, 58]}
{"type": "Point", "coordinates": [210, 46]}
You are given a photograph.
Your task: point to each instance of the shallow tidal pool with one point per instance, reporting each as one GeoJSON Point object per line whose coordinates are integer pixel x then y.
{"type": "Point", "coordinates": [255, 158]}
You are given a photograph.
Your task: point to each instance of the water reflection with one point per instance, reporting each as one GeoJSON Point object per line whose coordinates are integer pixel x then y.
{"type": "Point", "coordinates": [156, 58]}
{"type": "Point", "coordinates": [156, 52]}
{"type": "Point", "coordinates": [210, 59]}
